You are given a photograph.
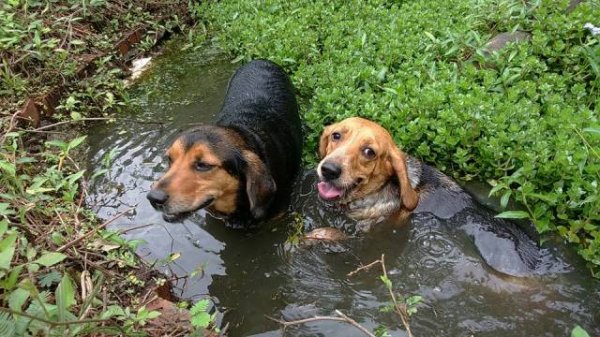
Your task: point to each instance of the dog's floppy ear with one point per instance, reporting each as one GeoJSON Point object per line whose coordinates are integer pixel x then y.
{"type": "Point", "coordinates": [407, 194]}
{"type": "Point", "coordinates": [324, 141]}
{"type": "Point", "coordinates": [260, 185]}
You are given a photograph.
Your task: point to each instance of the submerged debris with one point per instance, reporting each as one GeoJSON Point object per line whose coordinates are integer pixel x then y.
{"type": "Point", "coordinates": [325, 234]}
{"type": "Point", "coordinates": [138, 67]}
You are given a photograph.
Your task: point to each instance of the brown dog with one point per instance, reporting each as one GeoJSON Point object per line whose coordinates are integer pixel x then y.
{"type": "Point", "coordinates": [364, 171]}
{"type": "Point", "coordinates": [242, 167]}
{"type": "Point", "coordinates": [365, 174]}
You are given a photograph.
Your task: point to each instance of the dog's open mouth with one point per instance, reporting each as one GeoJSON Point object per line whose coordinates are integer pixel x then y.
{"type": "Point", "coordinates": [328, 191]}
{"type": "Point", "coordinates": [332, 192]}
{"type": "Point", "coordinates": [178, 217]}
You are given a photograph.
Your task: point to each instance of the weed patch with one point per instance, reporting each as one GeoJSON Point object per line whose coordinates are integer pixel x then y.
{"type": "Point", "coordinates": [524, 119]}
{"type": "Point", "coordinates": [62, 273]}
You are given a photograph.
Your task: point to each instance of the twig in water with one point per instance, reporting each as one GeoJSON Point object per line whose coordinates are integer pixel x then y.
{"type": "Point", "coordinates": [342, 318]}
{"type": "Point", "coordinates": [357, 270]}
{"type": "Point", "coordinates": [399, 308]}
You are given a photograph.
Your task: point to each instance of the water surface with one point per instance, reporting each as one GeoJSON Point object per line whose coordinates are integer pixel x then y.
{"type": "Point", "coordinates": [253, 274]}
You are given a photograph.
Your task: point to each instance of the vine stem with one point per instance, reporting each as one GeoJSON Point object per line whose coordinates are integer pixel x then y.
{"type": "Point", "coordinates": [52, 323]}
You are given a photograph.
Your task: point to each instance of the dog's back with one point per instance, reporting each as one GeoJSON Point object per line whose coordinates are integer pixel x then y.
{"type": "Point", "coordinates": [261, 105]}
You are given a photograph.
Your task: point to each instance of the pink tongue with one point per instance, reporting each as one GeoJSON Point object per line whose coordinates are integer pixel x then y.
{"type": "Point", "coordinates": [328, 191]}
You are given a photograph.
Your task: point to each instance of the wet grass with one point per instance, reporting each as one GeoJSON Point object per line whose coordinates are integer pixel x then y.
{"type": "Point", "coordinates": [524, 119]}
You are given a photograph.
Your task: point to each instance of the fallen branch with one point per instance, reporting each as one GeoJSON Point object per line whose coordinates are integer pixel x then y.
{"type": "Point", "coordinates": [68, 122]}
{"type": "Point", "coordinates": [342, 318]}
{"type": "Point", "coordinates": [357, 270]}
{"type": "Point", "coordinates": [53, 323]}
{"type": "Point", "coordinates": [90, 233]}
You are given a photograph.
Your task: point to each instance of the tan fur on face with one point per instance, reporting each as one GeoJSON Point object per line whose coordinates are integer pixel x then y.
{"type": "Point", "coordinates": [189, 188]}
{"type": "Point", "coordinates": [367, 175]}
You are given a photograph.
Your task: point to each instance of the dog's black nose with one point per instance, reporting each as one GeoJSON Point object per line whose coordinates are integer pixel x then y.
{"type": "Point", "coordinates": [157, 197]}
{"type": "Point", "coordinates": [331, 171]}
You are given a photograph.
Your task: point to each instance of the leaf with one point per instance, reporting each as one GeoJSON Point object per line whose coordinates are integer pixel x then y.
{"type": "Point", "coordinates": [50, 259]}
{"type": "Point", "coordinates": [76, 142]}
{"type": "Point", "coordinates": [237, 59]}
{"type": "Point", "coordinates": [7, 325]}
{"type": "Point", "coordinates": [513, 215]}
{"type": "Point", "coordinates": [7, 250]}
{"type": "Point", "coordinates": [593, 130]}
{"type": "Point", "coordinates": [38, 190]}
{"type": "Point", "coordinates": [5, 210]}
{"type": "Point", "coordinates": [386, 281]}
{"type": "Point", "coordinates": [65, 297]}
{"type": "Point", "coordinates": [8, 168]}
{"type": "Point", "coordinates": [10, 282]}
{"type": "Point", "coordinates": [75, 115]}
{"type": "Point", "coordinates": [153, 314]}
{"type": "Point", "coordinates": [200, 306]}
{"type": "Point", "coordinates": [57, 143]}
{"type": "Point", "coordinates": [112, 310]}
{"type": "Point", "coordinates": [414, 300]}
{"type": "Point", "coordinates": [50, 278]}
{"type": "Point", "coordinates": [431, 37]}
{"type": "Point", "coordinates": [75, 176]}
{"type": "Point", "coordinates": [174, 256]}
{"type": "Point", "coordinates": [3, 225]}
{"type": "Point", "coordinates": [17, 298]}
{"type": "Point", "coordinates": [505, 198]}
{"type": "Point", "coordinates": [579, 332]}
{"type": "Point", "coordinates": [201, 320]}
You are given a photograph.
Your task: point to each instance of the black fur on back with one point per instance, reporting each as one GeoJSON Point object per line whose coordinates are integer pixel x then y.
{"type": "Point", "coordinates": [261, 106]}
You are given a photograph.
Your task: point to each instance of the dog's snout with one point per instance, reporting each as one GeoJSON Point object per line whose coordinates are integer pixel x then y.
{"type": "Point", "coordinates": [157, 197]}
{"type": "Point", "coordinates": [331, 171]}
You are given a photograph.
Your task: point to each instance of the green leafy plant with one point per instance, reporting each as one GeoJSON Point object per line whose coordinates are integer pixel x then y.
{"type": "Point", "coordinates": [201, 318]}
{"type": "Point", "coordinates": [417, 68]}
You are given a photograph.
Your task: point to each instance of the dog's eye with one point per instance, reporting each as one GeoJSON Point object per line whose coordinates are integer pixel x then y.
{"type": "Point", "coordinates": [336, 136]}
{"type": "Point", "coordinates": [368, 153]}
{"type": "Point", "coordinates": [169, 160]}
{"type": "Point", "coordinates": [202, 166]}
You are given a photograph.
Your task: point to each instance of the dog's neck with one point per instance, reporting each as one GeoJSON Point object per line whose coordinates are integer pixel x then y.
{"type": "Point", "coordinates": [378, 206]}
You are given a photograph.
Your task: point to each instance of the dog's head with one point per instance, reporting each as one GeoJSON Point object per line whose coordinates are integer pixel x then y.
{"type": "Point", "coordinates": [358, 158]}
{"type": "Point", "coordinates": [208, 167]}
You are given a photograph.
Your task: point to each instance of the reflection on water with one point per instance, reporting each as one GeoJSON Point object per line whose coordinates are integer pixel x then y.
{"type": "Point", "coordinates": [253, 274]}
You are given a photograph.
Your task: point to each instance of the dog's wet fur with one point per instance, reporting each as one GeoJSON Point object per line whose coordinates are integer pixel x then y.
{"type": "Point", "coordinates": [365, 174]}
{"type": "Point", "coordinates": [243, 166]}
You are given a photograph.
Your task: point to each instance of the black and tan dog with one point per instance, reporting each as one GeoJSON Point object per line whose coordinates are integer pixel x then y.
{"type": "Point", "coordinates": [249, 158]}
{"type": "Point", "coordinates": [365, 174]}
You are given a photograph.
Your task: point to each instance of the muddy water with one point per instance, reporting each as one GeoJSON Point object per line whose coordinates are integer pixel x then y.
{"type": "Point", "coordinates": [250, 274]}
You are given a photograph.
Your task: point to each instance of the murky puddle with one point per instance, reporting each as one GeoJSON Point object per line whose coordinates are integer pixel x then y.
{"type": "Point", "coordinates": [254, 274]}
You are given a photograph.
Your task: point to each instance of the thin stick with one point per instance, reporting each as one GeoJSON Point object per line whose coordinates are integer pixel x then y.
{"type": "Point", "coordinates": [127, 230]}
{"type": "Point", "coordinates": [52, 323]}
{"type": "Point", "coordinates": [400, 309]}
{"type": "Point", "coordinates": [354, 323]}
{"type": "Point", "coordinates": [357, 270]}
{"type": "Point", "coordinates": [90, 233]}
{"type": "Point", "coordinates": [342, 318]}
{"type": "Point", "coordinates": [71, 121]}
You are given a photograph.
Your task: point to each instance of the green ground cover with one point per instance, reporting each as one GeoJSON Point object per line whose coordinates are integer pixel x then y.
{"type": "Point", "coordinates": [525, 119]}
{"type": "Point", "coordinates": [62, 273]}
